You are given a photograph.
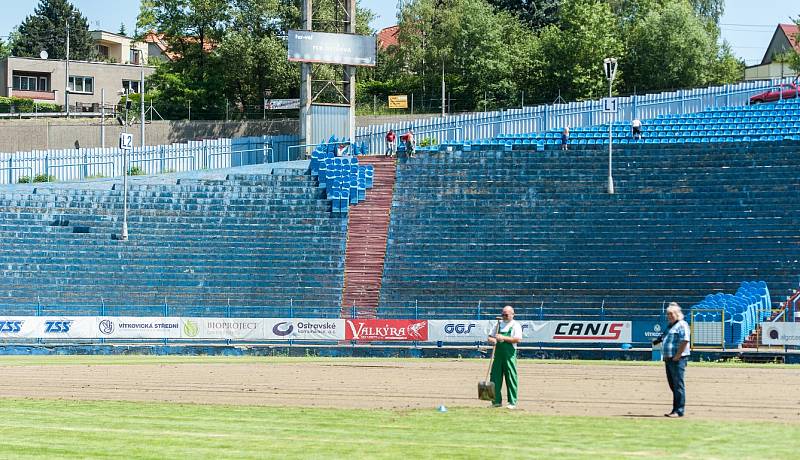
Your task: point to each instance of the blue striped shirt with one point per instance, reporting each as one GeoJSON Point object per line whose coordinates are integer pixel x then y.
{"type": "Point", "coordinates": [677, 333]}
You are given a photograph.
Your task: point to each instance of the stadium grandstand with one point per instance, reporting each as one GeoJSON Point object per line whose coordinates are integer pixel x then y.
{"type": "Point", "coordinates": [706, 203]}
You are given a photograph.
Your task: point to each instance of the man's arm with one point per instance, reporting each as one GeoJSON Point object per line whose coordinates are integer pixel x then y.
{"type": "Point", "coordinates": [681, 349]}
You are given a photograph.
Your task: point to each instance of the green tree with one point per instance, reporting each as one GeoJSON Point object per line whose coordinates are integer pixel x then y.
{"type": "Point", "coordinates": [122, 30]}
{"type": "Point", "coordinates": [709, 10]}
{"type": "Point", "coordinates": [231, 51]}
{"type": "Point", "coordinates": [669, 48]}
{"type": "Point", "coordinates": [573, 53]}
{"type": "Point", "coordinates": [46, 30]}
{"type": "Point", "coordinates": [5, 51]}
{"type": "Point", "coordinates": [794, 58]}
{"type": "Point", "coordinates": [478, 47]}
{"type": "Point", "coordinates": [535, 13]}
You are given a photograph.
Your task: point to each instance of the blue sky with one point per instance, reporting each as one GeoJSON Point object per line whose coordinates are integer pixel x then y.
{"type": "Point", "coordinates": [748, 25]}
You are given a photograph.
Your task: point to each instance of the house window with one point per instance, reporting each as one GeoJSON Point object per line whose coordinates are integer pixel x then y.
{"type": "Point", "coordinates": [131, 86]}
{"type": "Point", "coordinates": [30, 83]}
{"type": "Point", "coordinates": [134, 56]}
{"type": "Point", "coordinates": [81, 85]}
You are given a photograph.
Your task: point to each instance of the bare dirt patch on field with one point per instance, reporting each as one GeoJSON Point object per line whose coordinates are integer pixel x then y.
{"type": "Point", "coordinates": [742, 393]}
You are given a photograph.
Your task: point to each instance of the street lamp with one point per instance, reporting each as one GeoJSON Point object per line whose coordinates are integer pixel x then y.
{"type": "Point", "coordinates": [124, 148]}
{"type": "Point", "coordinates": [610, 67]}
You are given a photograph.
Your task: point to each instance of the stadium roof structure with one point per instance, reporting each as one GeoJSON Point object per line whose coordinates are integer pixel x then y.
{"type": "Point", "coordinates": [784, 39]}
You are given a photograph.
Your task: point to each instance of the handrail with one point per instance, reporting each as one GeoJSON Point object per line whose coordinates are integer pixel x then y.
{"type": "Point", "coordinates": [13, 168]}
{"type": "Point", "coordinates": [82, 175]}
{"type": "Point", "coordinates": [181, 157]}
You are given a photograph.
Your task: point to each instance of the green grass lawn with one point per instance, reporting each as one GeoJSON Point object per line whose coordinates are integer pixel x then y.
{"type": "Point", "coordinates": [122, 430]}
{"type": "Point", "coordinates": [34, 428]}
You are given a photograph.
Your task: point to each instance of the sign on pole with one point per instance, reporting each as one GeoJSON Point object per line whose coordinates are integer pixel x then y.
{"type": "Point", "coordinates": [399, 101]}
{"type": "Point", "coordinates": [610, 104]}
{"type": "Point", "coordinates": [125, 141]}
{"type": "Point", "coordinates": [330, 48]}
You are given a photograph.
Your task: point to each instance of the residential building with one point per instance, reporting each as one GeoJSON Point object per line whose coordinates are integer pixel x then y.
{"type": "Point", "coordinates": [785, 39]}
{"type": "Point", "coordinates": [116, 48]}
{"type": "Point", "coordinates": [44, 80]}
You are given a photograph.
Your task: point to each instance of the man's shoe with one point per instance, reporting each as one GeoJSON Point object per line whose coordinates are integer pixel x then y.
{"type": "Point", "coordinates": [673, 415]}
{"type": "Point", "coordinates": [497, 405]}
{"type": "Point", "coordinates": [511, 406]}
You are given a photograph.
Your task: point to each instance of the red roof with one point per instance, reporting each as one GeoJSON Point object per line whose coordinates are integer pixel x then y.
{"type": "Point", "coordinates": [160, 41]}
{"type": "Point", "coordinates": [791, 31]}
{"type": "Point", "coordinates": [388, 37]}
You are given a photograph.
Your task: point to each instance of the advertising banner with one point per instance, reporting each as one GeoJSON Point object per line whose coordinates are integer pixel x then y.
{"type": "Point", "coordinates": [222, 328]}
{"type": "Point", "coordinates": [780, 333]}
{"type": "Point", "coordinates": [281, 104]}
{"type": "Point", "coordinates": [303, 329]}
{"type": "Point", "coordinates": [47, 327]}
{"type": "Point", "coordinates": [386, 330]}
{"type": "Point", "coordinates": [576, 331]}
{"type": "Point", "coordinates": [460, 330]}
{"type": "Point", "coordinates": [646, 331]}
{"type": "Point", "coordinates": [325, 47]}
{"type": "Point", "coordinates": [136, 327]}
{"type": "Point", "coordinates": [16, 327]}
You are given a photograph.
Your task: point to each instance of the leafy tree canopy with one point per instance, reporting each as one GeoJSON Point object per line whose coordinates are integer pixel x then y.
{"type": "Point", "coordinates": [46, 30]}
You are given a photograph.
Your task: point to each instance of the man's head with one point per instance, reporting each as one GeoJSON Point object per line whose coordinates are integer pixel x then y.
{"type": "Point", "coordinates": [674, 312]}
{"type": "Point", "coordinates": [508, 313]}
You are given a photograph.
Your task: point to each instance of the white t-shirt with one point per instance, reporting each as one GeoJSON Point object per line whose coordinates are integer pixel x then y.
{"type": "Point", "coordinates": [636, 123]}
{"type": "Point", "coordinates": [512, 329]}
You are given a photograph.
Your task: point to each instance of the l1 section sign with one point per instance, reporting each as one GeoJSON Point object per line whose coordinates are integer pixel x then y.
{"type": "Point", "coordinates": [328, 48]}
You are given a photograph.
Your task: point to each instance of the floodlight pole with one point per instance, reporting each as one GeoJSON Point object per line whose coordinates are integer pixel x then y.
{"type": "Point", "coordinates": [141, 93]}
{"type": "Point", "coordinates": [66, 75]}
{"type": "Point", "coordinates": [610, 67]}
{"type": "Point", "coordinates": [124, 235]}
{"type": "Point", "coordinates": [610, 149]}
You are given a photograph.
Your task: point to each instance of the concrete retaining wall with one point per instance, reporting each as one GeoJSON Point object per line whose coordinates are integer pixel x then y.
{"type": "Point", "coordinates": [45, 134]}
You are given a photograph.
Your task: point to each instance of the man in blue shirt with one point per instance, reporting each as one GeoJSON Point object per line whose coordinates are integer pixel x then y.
{"type": "Point", "coordinates": [676, 354]}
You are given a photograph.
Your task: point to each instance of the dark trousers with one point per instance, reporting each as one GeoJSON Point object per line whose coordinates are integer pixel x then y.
{"type": "Point", "coordinates": [675, 371]}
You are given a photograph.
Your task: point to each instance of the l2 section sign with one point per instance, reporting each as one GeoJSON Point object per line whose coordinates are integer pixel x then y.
{"type": "Point", "coordinates": [386, 330]}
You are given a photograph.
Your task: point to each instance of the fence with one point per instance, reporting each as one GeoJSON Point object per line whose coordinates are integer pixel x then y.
{"type": "Point", "coordinates": [82, 163]}
{"type": "Point", "coordinates": [575, 114]}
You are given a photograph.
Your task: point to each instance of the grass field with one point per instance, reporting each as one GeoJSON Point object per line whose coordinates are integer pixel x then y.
{"type": "Point", "coordinates": [102, 429]}
{"type": "Point", "coordinates": [65, 428]}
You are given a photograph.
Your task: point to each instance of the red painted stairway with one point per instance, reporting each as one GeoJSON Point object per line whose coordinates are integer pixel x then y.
{"type": "Point", "coordinates": [367, 232]}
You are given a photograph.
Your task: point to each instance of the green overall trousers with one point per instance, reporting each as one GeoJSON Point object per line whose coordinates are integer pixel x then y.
{"type": "Point", "coordinates": [505, 365]}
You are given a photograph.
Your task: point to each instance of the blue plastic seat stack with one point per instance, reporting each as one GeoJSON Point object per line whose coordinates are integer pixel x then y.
{"type": "Point", "coordinates": [743, 311]}
{"type": "Point", "coordinates": [345, 182]}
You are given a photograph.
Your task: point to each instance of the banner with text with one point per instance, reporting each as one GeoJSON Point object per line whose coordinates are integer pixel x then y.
{"type": "Point", "coordinates": [304, 329]}
{"type": "Point", "coordinates": [780, 333]}
{"type": "Point", "coordinates": [386, 330]}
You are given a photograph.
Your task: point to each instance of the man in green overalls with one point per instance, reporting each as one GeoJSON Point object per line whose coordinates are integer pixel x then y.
{"type": "Point", "coordinates": [505, 339]}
